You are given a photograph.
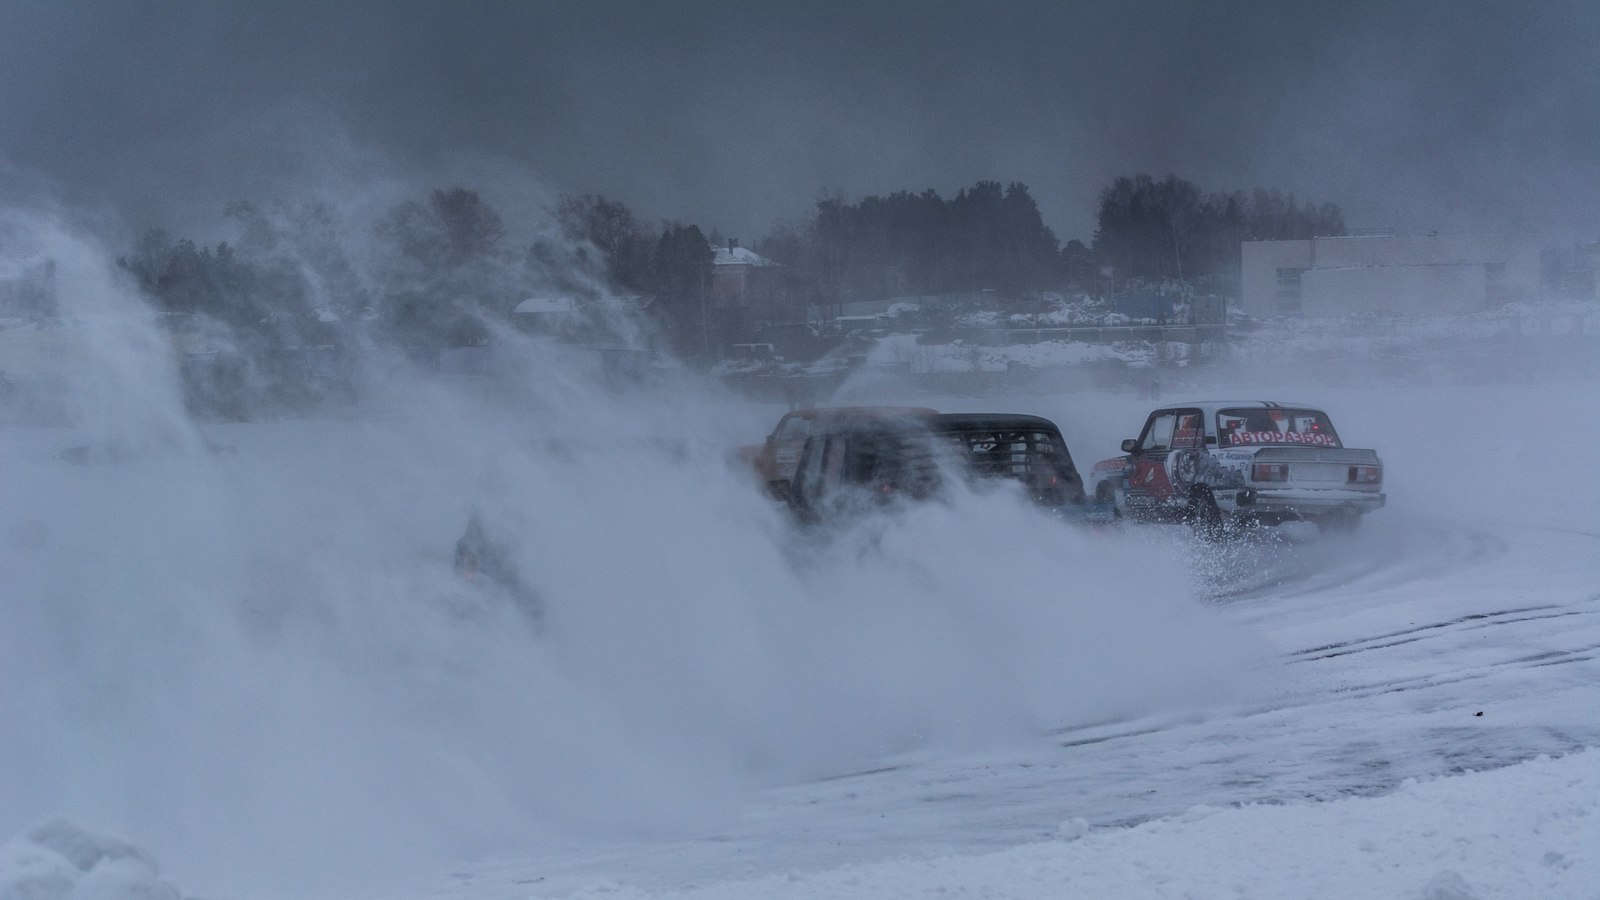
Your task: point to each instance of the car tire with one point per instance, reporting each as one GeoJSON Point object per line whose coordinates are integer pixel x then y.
{"type": "Point", "coordinates": [1106, 493]}
{"type": "Point", "coordinates": [1203, 515]}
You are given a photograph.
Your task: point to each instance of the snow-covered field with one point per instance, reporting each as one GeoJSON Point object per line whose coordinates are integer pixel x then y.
{"type": "Point", "coordinates": [240, 649]}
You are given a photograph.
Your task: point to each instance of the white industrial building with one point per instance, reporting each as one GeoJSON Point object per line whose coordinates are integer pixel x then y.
{"type": "Point", "coordinates": [1387, 274]}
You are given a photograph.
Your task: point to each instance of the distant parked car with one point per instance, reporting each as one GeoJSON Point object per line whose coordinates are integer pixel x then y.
{"type": "Point", "coordinates": [774, 460]}
{"type": "Point", "coordinates": [1245, 461]}
{"type": "Point", "coordinates": [848, 466]}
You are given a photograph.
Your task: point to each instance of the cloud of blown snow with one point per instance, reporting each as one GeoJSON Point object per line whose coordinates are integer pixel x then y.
{"type": "Point", "coordinates": [244, 646]}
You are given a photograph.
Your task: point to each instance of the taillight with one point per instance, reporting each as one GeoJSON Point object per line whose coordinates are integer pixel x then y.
{"type": "Point", "coordinates": [1366, 474]}
{"type": "Point", "coordinates": [1269, 472]}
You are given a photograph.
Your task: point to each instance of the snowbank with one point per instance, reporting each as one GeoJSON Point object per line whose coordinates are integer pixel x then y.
{"type": "Point", "coordinates": [59, 861]}
{"type": "Point", "coordinates": [1523, 831]}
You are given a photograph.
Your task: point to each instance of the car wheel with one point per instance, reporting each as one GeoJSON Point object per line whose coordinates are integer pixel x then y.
{"type": "Point", "coordinates": [1107, 494]}
{"type": "Point", "coordinates": [1203, 515]}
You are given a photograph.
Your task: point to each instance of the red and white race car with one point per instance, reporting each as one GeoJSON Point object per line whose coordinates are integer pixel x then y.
{"type": "Point", "coordinates": [1256, 461]}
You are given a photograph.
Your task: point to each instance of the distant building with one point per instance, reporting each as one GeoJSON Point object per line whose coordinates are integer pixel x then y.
{"type": "Point", "coordinates": [1573, 273]}
{"type": "Point", "coordinates": [759, 289]}
{"type": "Point", "coordinates": [1431, 275]}
{"type": "Point", "coordinates": [736, 274]}
{"type": "Point", "coordinates": [553, 316]}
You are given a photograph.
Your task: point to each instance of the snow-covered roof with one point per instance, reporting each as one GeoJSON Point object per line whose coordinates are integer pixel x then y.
{"type": "Point", "coordinates": [739, 256]}
{"type": "Point", "coordinates": [545, 305]}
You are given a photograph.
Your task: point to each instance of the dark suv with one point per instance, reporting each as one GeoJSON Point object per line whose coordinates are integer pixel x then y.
{"type": "Point", "coordinates": [858, 465]}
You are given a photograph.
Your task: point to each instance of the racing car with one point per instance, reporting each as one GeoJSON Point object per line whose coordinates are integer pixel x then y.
{"type": "Point", "coordinates": [1220, 463]}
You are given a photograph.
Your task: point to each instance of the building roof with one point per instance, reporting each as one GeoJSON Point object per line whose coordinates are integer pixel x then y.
{"type": "Point", "coordinates": [534, 305]}
{"type": "Point", "coordinates": [739, 256]}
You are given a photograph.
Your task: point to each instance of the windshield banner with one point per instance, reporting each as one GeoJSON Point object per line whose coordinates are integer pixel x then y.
{"type": "Point", "coordinates": [1280, 437]}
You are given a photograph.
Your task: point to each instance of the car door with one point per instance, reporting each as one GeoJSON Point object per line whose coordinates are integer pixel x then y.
{"type": "Point", "coordinates": [1185, 465]}
{"type": "Point", "coordinates": [821, 488]}
{"type": "Point", "coordinates": [1148, 482]}
{"type": "Point", "coordinates": [788, 439]}
{"type": "Point", "coordinates": [808, 487]}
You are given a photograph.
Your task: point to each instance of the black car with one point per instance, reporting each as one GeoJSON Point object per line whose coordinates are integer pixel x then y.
{"type": "Point", "coordinates": [1026, 449]}
{"type": "Point", "coordinates": [855, 466]}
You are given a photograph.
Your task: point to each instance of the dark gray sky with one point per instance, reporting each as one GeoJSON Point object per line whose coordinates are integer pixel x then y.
{"type": "Point", "coordinates": [1418, 115]}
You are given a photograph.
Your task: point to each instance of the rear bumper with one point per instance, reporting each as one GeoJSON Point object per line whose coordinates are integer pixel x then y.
{"type": "Point", "coordinates": [1301, 502]}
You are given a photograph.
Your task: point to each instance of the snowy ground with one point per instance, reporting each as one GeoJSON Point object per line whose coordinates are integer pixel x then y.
{"type": "Point", "coordinates": [240, 650]}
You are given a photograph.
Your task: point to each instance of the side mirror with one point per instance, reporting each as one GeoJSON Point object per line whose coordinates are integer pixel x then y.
{"type": "Point", "coordinates": [1128, 444]}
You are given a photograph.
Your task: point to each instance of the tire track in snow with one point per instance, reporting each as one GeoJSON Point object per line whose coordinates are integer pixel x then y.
{"type": "Point", "coordinates": [1472, 622]}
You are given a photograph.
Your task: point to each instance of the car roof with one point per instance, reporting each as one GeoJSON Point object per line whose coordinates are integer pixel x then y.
{"type": "Point", "coordinates": [1211, 406]}
{"type": "Point", "coordinates": [893, 422]}
{"type": "Point", "coordinates": [952, 421]}
{"type": "Point", "coordinates": [885, 424]}
{"type": "Point", "coordinates": [821, 412]}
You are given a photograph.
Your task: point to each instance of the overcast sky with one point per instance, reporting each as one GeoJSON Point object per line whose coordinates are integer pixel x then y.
{"type": "Point", "coordinates": [1422, 116]}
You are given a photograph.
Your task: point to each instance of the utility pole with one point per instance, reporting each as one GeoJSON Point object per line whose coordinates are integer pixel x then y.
{"type": "Point", "coordinates": [1173, 224]}
{"type": "Point", "coordinates": [705, 334]}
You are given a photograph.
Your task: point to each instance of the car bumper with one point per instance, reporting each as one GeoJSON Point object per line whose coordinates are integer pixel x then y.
{"type": "Point", "coordinates": [1300, 501]}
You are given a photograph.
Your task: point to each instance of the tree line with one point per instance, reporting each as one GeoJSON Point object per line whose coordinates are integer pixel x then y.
{"type": "Point", "coordinates": [993, 237]}
{"type": "Point", "coordinates": [1169, 229]}
{"type": "Point", "coordinates": [431, 271]}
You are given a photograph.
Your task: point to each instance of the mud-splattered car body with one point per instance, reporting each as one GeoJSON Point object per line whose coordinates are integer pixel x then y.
{"type": "Point", "coordinates": [1240, 461]}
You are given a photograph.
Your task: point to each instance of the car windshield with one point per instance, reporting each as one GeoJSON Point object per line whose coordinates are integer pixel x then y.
{"type": "Point", "coordinates": [1275, 425]}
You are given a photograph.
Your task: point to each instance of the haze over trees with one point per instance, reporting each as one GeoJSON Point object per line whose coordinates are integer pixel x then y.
{"type": "Point", "coordinates": [986, 237]}
{"type": "Point", "coordinates": [1169, 229]}
{"type": "Point", "coordinates": [435, 269]}
{"type": "Point", "coordinates": [990, 237]}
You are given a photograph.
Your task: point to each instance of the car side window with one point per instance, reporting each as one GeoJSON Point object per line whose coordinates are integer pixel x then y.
{"type": "Point", "coordinates": [1190, 431]}
{"type": "Point", "coordinates": [833, 460]}
{"type": "Point", "coordinates": [795, 428]}
{"type": "Point", "coordinates": [810, 474]}
{"type": "Point", "coordinates": [1158, 431]}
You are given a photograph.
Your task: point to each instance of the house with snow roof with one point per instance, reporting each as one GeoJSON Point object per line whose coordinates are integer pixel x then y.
{"type": "Point", "coordinates": [760, 289]}
{"type": "Point", "coordinates": [736, 274]}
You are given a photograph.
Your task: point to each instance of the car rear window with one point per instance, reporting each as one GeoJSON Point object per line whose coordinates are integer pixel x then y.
{"type": "Point", "coordinates": [1255, 426]}
{"type": "Point", "coordinates": [1011, 453]}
